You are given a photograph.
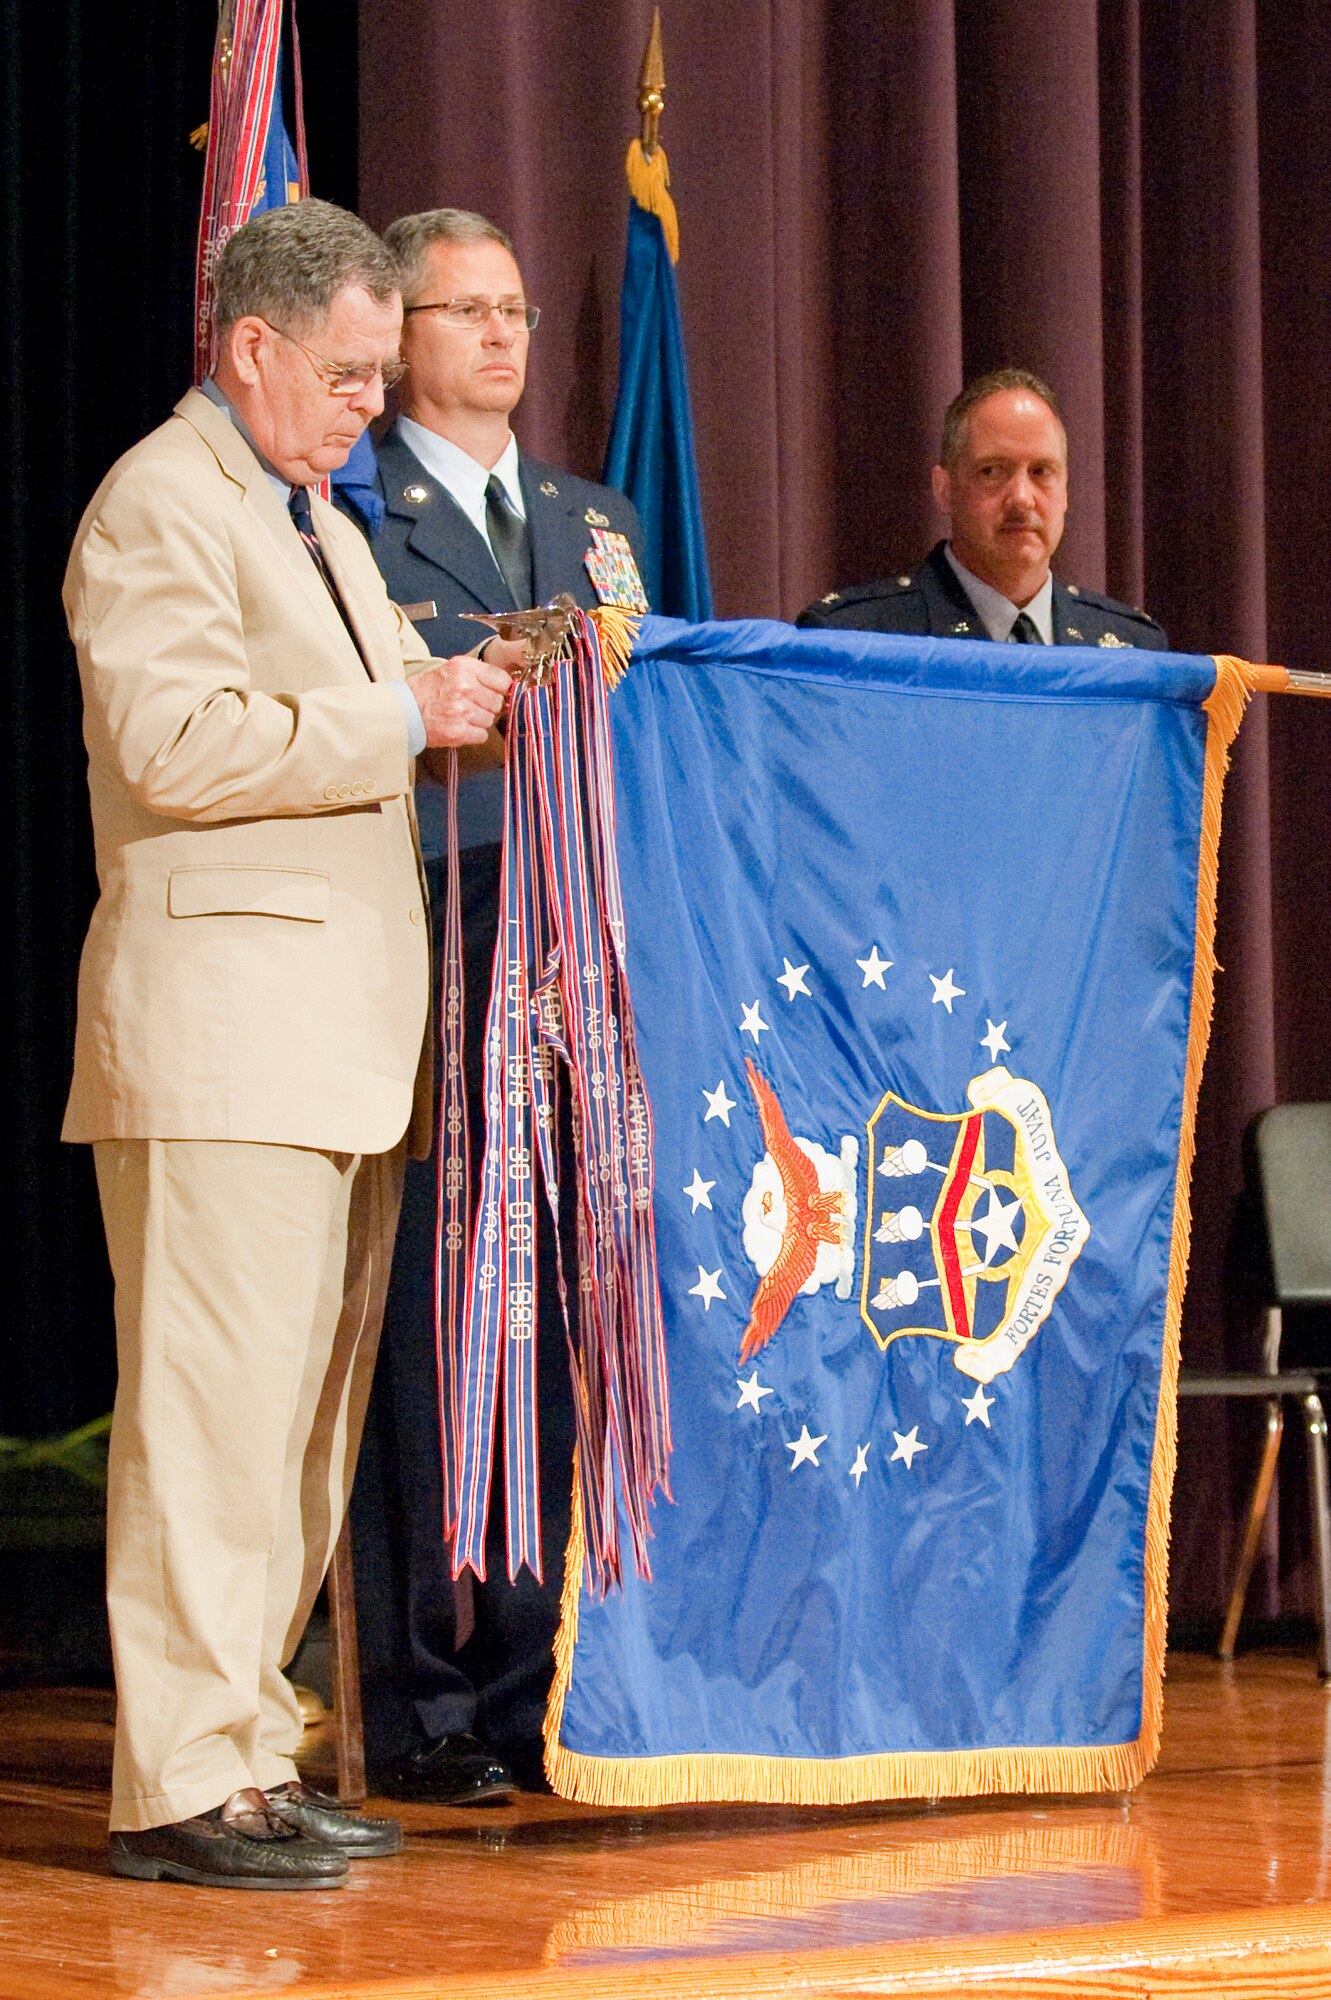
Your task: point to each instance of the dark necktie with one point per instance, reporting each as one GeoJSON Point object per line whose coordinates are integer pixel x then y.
{"type": "Point", "coordinates": [508, 543]}
{"type": "Point", "coordinates": [1023, 632]}
{"type": "Point", "coordinates": [298, 506]}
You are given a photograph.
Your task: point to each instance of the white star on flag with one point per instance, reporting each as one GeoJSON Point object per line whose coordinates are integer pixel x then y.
{"type": "Point", "coordinates": [861, 1466]}
{"type": "Point", "coordinates": [805, 1448]}
{"type": "Point", "coordinates": [718, 1104]}
{"type": "Point", "coordinates": [753, 1022]}
{"type": "Point", "coordinates": [793, 980]}
{"type": "Point", "coordinates": [873, 967]}
{"type": "Point", "coordinates": [907, 1446]}
{"type": "Point", "coordinates": [995, 1225]}
{"type": "Point", "coordinates": [977, 1407]}
{"type": "Point", "coordinates": [750, 1392]}
{"type": "Point", "coordinates": [996, 1040]}
{"type": "Point", "coordinates": [707, 1288]}
{"type": "Point", "coordinates": [945, 991]}
{"type": "Point", "coordinates": [699, 1191]}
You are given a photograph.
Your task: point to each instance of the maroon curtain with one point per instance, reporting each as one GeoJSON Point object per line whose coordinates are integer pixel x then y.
{"type": "Point", "coordinates": [879, 197]}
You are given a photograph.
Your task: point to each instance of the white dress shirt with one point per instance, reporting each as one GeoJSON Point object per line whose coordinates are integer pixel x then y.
{"type": "Point", "coordinates": [996, 613]}
{"type": "Point", "coordinates": [462, 477]}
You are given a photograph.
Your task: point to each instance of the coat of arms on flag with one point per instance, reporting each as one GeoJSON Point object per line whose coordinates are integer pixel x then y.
{"type": "Point", "coordinates": [984, 1228]}
{"type": "Point", "coordinates": [919, 944]}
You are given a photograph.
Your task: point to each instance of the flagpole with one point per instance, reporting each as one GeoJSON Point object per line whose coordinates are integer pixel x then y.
{"type": "Point", "coordinates": [1286, 680]}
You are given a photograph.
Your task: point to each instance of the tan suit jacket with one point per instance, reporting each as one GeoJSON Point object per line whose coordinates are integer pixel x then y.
{"type": "Point", "coordinates": [257, 966]}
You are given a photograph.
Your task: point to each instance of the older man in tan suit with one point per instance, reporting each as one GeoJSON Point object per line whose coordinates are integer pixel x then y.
{"type": "Point", "coordinates": [252, 1003]}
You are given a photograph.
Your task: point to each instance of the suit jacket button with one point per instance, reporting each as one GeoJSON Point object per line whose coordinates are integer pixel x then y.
{"type": "Point", "coordinates": [418, 916]}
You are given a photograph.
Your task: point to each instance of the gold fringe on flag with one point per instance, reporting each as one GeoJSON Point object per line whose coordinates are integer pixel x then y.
{"type": "Point", "coordinates": [1225, 707]}
{"type": "Point", "coordinates": [1114, 1767]}
{"type": "Point", "coordinates": [616, 629]}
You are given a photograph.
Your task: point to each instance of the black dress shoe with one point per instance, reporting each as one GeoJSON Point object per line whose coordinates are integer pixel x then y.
{"type": "Point", "coordinates": [331, 1824]}
{"type": "Point", "coordinates": [241, 1844]}
{"type": "Point", "coordinates": [452, 1771]}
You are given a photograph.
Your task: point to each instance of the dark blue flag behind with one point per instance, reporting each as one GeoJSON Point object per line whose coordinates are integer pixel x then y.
{"type": "Point", "coordinates": [650, 454]}
{"type": "Point", "coordinates": [919, 939]}
{"type": "Point", "coordinates": [281, 181]}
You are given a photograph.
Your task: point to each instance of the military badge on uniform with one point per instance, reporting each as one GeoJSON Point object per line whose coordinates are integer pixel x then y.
{"type": "Point", "coordinates": [550, 490]}
{"type": "Point", "coordinates": [614, 574]}
{"type": "Point", "coordinates": [595, 519]}
{"type": "Point", "coordinates": [1112, 639]}
{"type": "Point", "coordinates": [418, 495]}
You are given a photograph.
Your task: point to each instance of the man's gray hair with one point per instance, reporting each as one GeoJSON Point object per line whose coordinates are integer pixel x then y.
{"type": "Point", "coordinates": [289, 264]}
{"type": "Point", "coordinates": [411, 236]}
{"type": "Point", "coordinates": [956, 419]}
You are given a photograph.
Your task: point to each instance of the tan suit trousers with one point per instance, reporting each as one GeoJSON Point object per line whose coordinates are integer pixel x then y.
{"type": "Point", "coordinates": [249, 1287]}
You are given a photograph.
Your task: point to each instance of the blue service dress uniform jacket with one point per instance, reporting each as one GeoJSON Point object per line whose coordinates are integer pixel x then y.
{"type": "Point", "coordinates": [931, 602]}
{"type": "Point", "coordinates": [429, 552]}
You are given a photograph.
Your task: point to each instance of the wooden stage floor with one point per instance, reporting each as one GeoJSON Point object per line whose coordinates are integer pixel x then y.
{"type": "Point", "coordinates": [1215, 1880]}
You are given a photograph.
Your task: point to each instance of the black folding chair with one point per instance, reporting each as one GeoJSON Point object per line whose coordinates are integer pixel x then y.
{"type": "Point", "coordinates": [1291, 1153]}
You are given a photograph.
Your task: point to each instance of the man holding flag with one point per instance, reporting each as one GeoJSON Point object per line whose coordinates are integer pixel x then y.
{"type": "Point", "coordinates": [250, 1045]}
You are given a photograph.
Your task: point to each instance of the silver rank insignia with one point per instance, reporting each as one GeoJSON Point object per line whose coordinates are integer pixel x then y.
{"type": "Point", "coordinates": [614, 574]}
{"type": "Point", "coordinates": [1073, 633]}
{"type": "Point", "coordinates": [1112, 639]}
{"type": "Point", "coordinates": [961, 630]}
{"type": "Point", "coordinates": [550, 490]}
{"type": "Point", "coordinates": [595, 520]}
{"type": "Point", "coordinates": [417, 495]}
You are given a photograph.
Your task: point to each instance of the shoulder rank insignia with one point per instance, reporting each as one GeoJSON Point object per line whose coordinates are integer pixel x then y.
{"type": "Point", "coordinates": [550, 490]}
{"type": "Point", "coordinates": [595, 520]}
{"type": "Point", "coordinates": [1112, 639]}
{"type": "Point", "coordinates": [614, 574]}
{"type": "Point", "coordinates": [961, 630]}
{"type": "Point", "coordinates": [417, 495]}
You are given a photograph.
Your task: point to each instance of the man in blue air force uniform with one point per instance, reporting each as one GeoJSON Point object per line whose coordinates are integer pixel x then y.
{"type": "Point", "coordinates": [470, 524]}
{"type": "Point", "coordinates": [1002, 481]}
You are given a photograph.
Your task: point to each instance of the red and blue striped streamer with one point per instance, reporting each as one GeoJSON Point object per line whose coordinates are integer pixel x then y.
{"type": "Point", "coordinates": [559, 1009]}
{"type": "Point", "coordinates": [246, 69]}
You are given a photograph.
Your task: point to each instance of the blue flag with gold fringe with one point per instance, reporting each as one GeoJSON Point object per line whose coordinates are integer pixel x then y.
{"type": "Point", "coordinates": [920, 949]}
{"type": "Point", "coordinates": [650, 454]}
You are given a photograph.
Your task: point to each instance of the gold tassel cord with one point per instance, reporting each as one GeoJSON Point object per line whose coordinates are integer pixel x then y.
{"type": "Point", "coordinates": [716, 1777]}
{"type": "Point", "coordinates": [649, 184]}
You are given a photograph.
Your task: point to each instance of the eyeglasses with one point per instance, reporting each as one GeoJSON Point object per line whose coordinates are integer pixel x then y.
{"type": "Point", "coordinates": [349, 378]}
{"type": "Point", "coordinates": [475, 312]}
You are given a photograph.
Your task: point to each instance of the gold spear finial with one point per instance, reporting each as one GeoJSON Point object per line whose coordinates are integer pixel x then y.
{"type": "Point", "coordinates": [651, 87]}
